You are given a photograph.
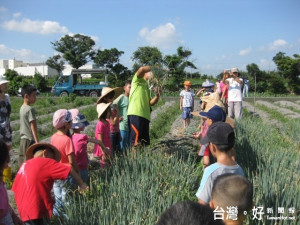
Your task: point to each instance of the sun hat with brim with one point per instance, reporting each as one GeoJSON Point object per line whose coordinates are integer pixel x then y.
{"type": "Point", "coordinates": [101, 107]}
{"type": "Point", "coordinates": [234, 70]}
{"type": "Point", "coordinates": [79, 121]}
{"type": "Point", "coordinates": [207, 84]}
{"type": "Point", "coordinates": [106, 90]}
{"type": "Point", "coordinates": [3, 80]}
{"type": "Point", "coordinates": [216, 114]}
{"type": "Point", "coordinates": [31, 150]}
{"type": "Point", "coordinates": [63, 116]}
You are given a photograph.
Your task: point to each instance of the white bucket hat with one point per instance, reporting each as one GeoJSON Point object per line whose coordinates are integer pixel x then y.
{"type": "Point", "coordinates": [3, 80]}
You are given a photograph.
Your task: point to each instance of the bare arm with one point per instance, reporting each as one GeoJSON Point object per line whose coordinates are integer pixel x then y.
{"type": "Point", "coordinates": [202, 202]}
{"type": "Point", "coordinates": [99, 142]}
{"type": "Point", "coordinates": [77, 178]}
{"type": "Point", "coordinates": [180, 103]}
{"type": "Point", "coordinates": [142, 70]}
{"type": "Point", "coordinates": [33, 127]}
{"type": "Point", "coordinates": [73, 163]}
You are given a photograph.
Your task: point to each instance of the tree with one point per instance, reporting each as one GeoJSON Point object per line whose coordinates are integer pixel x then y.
{"type": "Point", "coordinates": [177, 63]}
{"type": "Point", "coordinates": [40, 82]}
{"type": "Point", "coordinates": [289, 68]}
{"type": "Point", "coordinates": [110, 60]}
{"type": "Point", "coordinates": [146, 56]}
{"type": "Point", "coordinates": [56, 62]}
{"type": "Point", "coordinates": [77, 49]}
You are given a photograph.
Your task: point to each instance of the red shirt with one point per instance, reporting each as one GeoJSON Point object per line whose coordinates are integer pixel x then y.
{"type": "Point", "coordinates": [80, 142]}
{"type": "Point", "coordinates": [32, 187]}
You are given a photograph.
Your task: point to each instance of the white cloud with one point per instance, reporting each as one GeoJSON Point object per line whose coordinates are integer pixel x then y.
{"type": "Point", "coordinates": [3, 9]}
{"type": "Point", "coordinates": [163, 36]}
{"type": "Point", "coordinates": [277, 44]}
{"type": "Point", "coordinates": [25, 55]}
{"type": "Point", "coordinates": [16, 15]}
{"type": "Point", "coordinates": [245, 51]}
{"type": "Point", "coordinates": [35, 26]}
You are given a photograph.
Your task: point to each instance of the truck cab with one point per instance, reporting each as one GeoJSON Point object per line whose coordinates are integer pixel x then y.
{"type": "Point", "coordinates": [73, 83]}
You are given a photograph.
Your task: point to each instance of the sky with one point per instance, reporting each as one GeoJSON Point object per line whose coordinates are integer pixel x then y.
{"type": "Point", "coordinates": [220, 33]}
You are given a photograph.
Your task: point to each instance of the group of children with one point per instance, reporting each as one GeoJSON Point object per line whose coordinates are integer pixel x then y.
{"type": "Point", "coordinates": [63, 163]}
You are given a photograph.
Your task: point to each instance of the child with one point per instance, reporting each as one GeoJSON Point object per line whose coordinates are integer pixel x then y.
{"type": "Point", "coordinates": [215, 114]}
{"type": "Point", "coordinates": [34, 181]}
{"type": "Point", "coordinates": [80, 142]}
{"type": "Point", "coordinates": [187, 103]}
{"type": "Point", "coordinates": [7, 215]}
{"type": "Point", "coordinates": [188, 213]}
{"type": "Point", "coordinates": [221, 137]}
{"type": "Point", "coordinates": [122, 102]}
{"type": "Point", "coordinates": [28, 125]}
{"type": "Point", "coordinates": [62, 121]}
{"type": "Point", "coordinates": [108, 95]}
{"type": "Point", "coordinates": [102, 133]}
{"type": "Point", "coordinates": [231, 190]}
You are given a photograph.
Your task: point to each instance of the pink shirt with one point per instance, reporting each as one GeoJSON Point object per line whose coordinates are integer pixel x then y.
{"type": "Point", "coordinates": [104, 129]}
{"type": "Point", "coordinates": [80, 142]}
{"type": "Point", "coordinates": [64, 144]}
{"type": "Point", "coordinates": [114, 128]}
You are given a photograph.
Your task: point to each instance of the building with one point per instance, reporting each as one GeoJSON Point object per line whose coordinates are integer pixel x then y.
{"type": "Point", "coordinates": [29, 69]}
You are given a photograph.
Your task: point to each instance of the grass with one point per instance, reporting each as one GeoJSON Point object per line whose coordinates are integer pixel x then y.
{"type": "Point", "coordinates": [273, 113]}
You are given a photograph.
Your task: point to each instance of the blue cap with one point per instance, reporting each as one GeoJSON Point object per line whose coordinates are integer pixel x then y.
{"type": "Point", "coordinates": [216, 114]}
{"type": "Point", "coordinates": [79, 121]}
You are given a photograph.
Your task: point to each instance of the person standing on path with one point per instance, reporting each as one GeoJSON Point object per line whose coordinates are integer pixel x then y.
{"type": "Point", "coordinates": [234, 94]}
{"type": "Point", "coordinates": [246, 88]}
{"type": "Point", "coordinates": [139, 107]}
{"type": "Point", "coordinates": [187, 103]}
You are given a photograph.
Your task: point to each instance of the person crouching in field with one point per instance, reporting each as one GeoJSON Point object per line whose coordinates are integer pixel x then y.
{"type": "Point", "coordinates": [80, 142]}
{"type": "Point", "coordinates": [28, 125]}
{"type": "Point", "coordinates": [221, 139]}
{"type": "Point", "coordinates": [62, 121]}
{"type": "Point", "coordinates": [102, 133]}
{"type": "Point", "coordinates": [187, 103]}
{"type": "Point", "coordinates": [34, 181]}
{"type": "Point", "coordinates": [235, 192]}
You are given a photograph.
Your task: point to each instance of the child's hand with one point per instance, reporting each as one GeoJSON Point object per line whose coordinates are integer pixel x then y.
{"type": "Point", "coordinates": [121, 118]}
{"type": "Point", "coordinates": [83, 188]}
{"type": "Point", "coordinates": [106, 151]}
{"type": "Point", "coordinates": [196, 135]}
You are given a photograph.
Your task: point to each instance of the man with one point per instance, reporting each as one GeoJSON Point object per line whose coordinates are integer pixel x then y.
{"type": "Point", "coordinates": [234, 94]}
{"type": "Point", "coordinates": [140, 106]}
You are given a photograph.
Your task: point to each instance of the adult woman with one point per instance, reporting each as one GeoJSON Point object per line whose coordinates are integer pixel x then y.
{"type": "Point", "coordinates": [5, 128]}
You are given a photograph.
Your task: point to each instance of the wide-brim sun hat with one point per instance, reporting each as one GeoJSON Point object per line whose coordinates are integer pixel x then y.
{"type": "Point", "coordinates": [207, 84]}
{"type": "Point", "coordinates": [79, 121]}
{"type": "Point", "coordinates": [63, 116]}
{"type": "Point", "coordinates": [234, 70]}
{"type": "Point", "coordinates": [101, 107]}
{"type": "Point", "coordinates": [32, 149]}
{"type": "Point", "coordinates": [3, 80]}
{"type": "Point", "coordinates": [106, 90]}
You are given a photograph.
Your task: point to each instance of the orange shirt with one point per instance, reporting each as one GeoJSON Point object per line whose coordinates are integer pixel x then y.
{"type": "Point", "coordinates": [64, 144]}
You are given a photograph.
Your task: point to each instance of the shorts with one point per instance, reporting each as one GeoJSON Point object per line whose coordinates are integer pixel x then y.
{"type": "Point", "coordinates": [186, 113]}
{"type": "Point", "coordinates": [139, 130]}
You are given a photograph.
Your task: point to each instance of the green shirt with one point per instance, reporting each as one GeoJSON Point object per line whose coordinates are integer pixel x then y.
{"type": "Point", "coordinates": [122, 102]}
{"type": "Point", "coordinates": [139, 98]}
{"type": "Point", "coordinates": [27, 115]}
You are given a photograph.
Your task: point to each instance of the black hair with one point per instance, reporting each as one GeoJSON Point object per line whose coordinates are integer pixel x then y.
{"type": "Point", "coordinates": [233, 190]}
{"type": "Point", "coordinates": [127, 82]}
{"type": "Point", "coordinates": [28, 89]}
{"type": "Point", "coordinates": [188, 212]}
{"type": "Point", "coordinates": [4, 154]}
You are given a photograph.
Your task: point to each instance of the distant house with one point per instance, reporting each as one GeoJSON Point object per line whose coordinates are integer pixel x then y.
{"type": "Point", "coordinates": [29, 69]}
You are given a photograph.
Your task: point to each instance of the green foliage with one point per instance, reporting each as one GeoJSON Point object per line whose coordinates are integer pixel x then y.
{"type": "Point", "coordinates": [56, 62]}
{"type": "Point", "coordinates": [146, 56]}
{"type": "Point", "coordinates": [76, 49]}
{"type": "Point", "coordinates": [40, 82]}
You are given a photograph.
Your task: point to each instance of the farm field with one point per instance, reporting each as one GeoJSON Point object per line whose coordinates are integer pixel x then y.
{"type": "Point", "coordinates": [139, 187]}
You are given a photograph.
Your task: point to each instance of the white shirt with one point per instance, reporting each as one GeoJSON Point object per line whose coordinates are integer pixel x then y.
{"type": "Point", "coordinates": [234, 90]}
{"type": "Point", "coordinates": [188, 98]}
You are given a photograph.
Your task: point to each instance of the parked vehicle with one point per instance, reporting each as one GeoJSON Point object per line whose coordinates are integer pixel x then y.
{"type": "Point", "coordinates": [73, 83]}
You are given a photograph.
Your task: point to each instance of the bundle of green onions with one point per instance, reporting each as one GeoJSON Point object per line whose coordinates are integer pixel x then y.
{"type": "Point", "coordinates": [159, 80]}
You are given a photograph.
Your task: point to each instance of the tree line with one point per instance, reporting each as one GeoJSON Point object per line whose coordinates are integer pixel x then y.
{"type": "Point", "coordinates": [78, 50]}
